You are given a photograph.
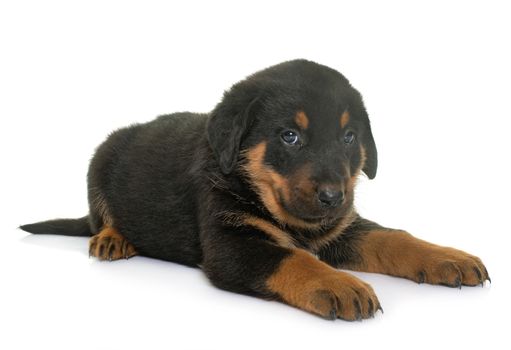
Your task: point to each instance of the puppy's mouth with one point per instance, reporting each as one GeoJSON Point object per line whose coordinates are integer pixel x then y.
{"type": "Point", "coordinates": [311, 214]}
{"type": "Point", "coordinates": [314, 219]}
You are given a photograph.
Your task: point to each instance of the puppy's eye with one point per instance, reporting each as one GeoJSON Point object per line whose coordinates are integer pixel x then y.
{"type": "Point", "coordinates": [289, 137]}
{"type": "Point", "coordinates": [349, 137]}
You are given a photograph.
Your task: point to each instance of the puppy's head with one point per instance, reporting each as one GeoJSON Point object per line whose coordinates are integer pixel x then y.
{"type": "Point", "coordinates": [301, 135]}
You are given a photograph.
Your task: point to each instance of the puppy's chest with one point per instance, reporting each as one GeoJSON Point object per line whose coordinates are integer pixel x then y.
{"type": "Point", "coordinates": [313, 241]}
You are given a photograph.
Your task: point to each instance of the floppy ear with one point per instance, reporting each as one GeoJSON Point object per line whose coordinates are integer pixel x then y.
{"type": "Point", "coordinates": [371, 163]}
{"type": "Point", "coordinates": [227, 124]}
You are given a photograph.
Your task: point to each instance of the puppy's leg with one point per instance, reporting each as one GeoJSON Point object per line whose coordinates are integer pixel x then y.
{"type": "Point", "coordinates": [109, 244]}
{"type": "Point", "coordinates": [243, 262]}
{"type": "Point", "coordinates": [369, 247]}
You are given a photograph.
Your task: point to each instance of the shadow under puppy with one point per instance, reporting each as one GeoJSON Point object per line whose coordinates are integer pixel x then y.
{"type": "Point", "coordinates": [259, 194]}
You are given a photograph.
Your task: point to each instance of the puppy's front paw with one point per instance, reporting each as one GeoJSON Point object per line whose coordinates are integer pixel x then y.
{"type": "Point", "coordinates": [340, 295]}
{"type": "Point", "coordinates": [451, 267]}
{"type": "Point", "coordinates": [309, 284]}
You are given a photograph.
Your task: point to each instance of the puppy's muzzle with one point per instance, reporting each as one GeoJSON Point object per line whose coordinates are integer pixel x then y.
{"type": "Point", "coordinates": [330, 196]}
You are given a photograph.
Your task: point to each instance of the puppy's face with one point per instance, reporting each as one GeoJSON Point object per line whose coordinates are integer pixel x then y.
{"type": "Point", "coordinates": [304, 140]}
{"type": "Point", "coordinates": [304, 158]}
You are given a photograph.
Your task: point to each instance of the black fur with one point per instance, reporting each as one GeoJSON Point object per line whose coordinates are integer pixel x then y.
{"type": "Point", "coordinates": [66, 227]}
{"type": "Point", "coordinates": [343, 251]}
{"type": "Point", "coordinates": [175, 187]}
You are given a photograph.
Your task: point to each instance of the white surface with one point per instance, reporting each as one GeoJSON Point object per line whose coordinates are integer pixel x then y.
{"type": "Point", "coordinates": [435, 79]}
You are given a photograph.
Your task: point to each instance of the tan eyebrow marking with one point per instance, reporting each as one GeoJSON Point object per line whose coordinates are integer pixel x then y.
{"type": "Point", "coordinates": [345, 118]}
{"type": "Point", "coordinates": [302, 120]}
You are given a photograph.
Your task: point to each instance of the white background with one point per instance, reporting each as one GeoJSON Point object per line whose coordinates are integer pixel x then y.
{"type": "Point", "coordinates": [436, 81]}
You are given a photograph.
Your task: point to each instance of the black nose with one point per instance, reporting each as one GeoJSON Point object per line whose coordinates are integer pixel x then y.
{"type": "Point", "coordinates": [330, 196]}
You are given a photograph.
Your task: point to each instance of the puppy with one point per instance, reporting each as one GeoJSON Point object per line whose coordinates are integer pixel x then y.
{"type": "Point", "coordinates": [259, 194]}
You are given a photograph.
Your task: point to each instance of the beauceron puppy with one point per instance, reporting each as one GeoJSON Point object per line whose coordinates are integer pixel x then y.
{"type": "Point", "coordinates": [259, 194]}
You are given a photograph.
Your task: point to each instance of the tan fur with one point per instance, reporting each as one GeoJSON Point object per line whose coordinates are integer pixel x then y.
{"type": "Point", "coordinates": [270, 186]}
{"type": "Point", "coordinates": [345, 118]}
{"type": "Point", "coordinates": [318, 243]}
{"type": "Point", "coordinates": [363, 158]}
{"type": "Point", "coordinates": [398, 253]}
{"type": "Point", "coordinates": [309, 284]}
{"type": "Point", "coordinates": [352, 182]}
{"type": "Point", "coordinates": [302, 120]}
{"type": "Point", "coordinates": [301, 180]}
{"type": "Point", "coordinates": [280, 237]}
{"type": "Point", "coordinates": [109, 244]}
{"type": "Point", "coordinates": [237, 219]}
{"type": "Point", "coordinates": [99, 203]}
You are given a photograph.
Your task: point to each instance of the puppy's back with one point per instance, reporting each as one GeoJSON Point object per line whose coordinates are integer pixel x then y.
{"type": "Point", "coordinates": [144, 176]}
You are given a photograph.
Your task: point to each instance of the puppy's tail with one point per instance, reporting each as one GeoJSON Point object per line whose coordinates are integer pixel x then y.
{"type": "Point", "coordinates": [66, 227]}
